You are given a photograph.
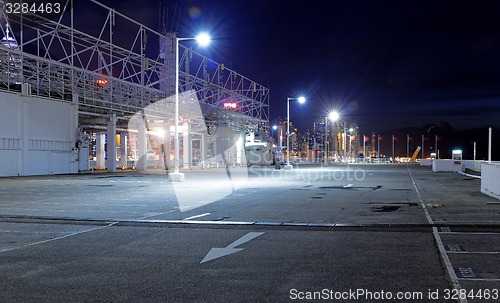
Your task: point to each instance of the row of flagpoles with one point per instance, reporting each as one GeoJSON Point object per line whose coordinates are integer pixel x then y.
{"type": "Point", "coordinates": [408, 139]}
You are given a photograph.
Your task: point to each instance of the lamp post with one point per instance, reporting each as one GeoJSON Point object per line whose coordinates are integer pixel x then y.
{"type": "Point", "coordinates": [275, 127]}
{"type": "Point", "coordinates": [334, 116]}
{"type": "Point", "coordinates": [301, 100]}
{"type": "Point", "coordinates": [203, 39]}
{"type": "Point", "coordinates": [474, 150]}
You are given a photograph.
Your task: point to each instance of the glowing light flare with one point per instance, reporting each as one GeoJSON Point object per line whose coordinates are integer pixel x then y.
{"type": "Point", "coordinates": [203, 39]}
{"type": "Point", "coordinates": [301, 100]}
{"type": "Point", "coordinates": [334, 116]}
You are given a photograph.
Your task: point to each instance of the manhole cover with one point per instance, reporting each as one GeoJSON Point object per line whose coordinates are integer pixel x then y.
{"type": "Point", "coordinates": [465, 273]}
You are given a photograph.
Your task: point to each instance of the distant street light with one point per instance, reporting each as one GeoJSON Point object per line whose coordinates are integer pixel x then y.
{"type": "Point", "coordinates": [203, 39]}
{"type": "Point", "coordinates": [334, 117]}
{"type": "Point", "coordinates": [301, 101]}
{"type": "Point", "coordinates": [275, 127]}
{"type": "Point", "coordinates": [474, 150]}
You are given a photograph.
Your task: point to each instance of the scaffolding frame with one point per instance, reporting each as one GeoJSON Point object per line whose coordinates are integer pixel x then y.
{"type": "Point", "coordinates": [58, 60]}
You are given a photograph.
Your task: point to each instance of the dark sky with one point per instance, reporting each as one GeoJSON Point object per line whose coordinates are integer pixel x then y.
{"type": "Point", "coordinates": [385, 64]}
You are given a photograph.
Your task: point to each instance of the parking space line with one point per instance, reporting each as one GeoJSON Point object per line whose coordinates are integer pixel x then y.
{"type": "Point", "coordinates": [475, 252]}
{"type": "Point", "coordinates": [442, 251]}
{"type": "Point", "coordinates": [479, 279]}
{"type": "Point", "coordinates": [58, 238]}
{"type": "Point", "coordinates": [196, 216]}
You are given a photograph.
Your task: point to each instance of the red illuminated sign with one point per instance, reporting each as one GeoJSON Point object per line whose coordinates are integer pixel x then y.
{"type": "Point", "coordinates": [230, 105]}
{"type": "Point", "coordinates": [101, 82]}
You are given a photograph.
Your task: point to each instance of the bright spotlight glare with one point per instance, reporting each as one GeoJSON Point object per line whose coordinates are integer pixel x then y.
{"type": "Point", "coordinates": [334, 116]}
{"type": "Point", "coordinates": [301, 100]}
{"type": "Point", "coordinates": [203, 39]}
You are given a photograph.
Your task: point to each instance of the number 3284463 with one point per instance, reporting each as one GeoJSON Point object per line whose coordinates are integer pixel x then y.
{"type": "Point", "coordinates": [33, 8]}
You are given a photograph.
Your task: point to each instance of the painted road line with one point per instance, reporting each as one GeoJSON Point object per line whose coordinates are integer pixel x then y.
{"type": "Point", "coordinates": [58, 238]}
{"type": "Point", "coordinates": [442, 251]}
{"type": "Point", "coordinates": [216, 252]}
{"type": "Point", "coordinates": [197, 216]}
{"type": "Point", "coordinates": [475, 252]}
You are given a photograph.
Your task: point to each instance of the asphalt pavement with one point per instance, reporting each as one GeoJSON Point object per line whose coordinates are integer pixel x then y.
{"type": "Point", "coordinates": [360, 233]}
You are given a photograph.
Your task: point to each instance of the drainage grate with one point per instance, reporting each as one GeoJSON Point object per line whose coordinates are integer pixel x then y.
{"type": "Point", "coordinates": [465, 273]}
{"type": "Point", "coordinates": [453, 247]}
{"type": "Point", "coordinates": [444, 229]}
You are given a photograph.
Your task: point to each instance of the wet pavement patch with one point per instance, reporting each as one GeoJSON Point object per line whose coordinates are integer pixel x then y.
{"type": "Point", "coordinates": [221, 218]}
{"type": "Point", "coordinates": [100, 185]}
{"type": "Point", "coordinates": [385, 208]}
{"type": "Point", "coordinates": [351, 187]}
{"type": "Point", "coordinates": [434, 205]}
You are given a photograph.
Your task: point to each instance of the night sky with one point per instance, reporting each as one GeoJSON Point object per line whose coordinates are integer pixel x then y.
{"type": "Point", "coordinates": [386, 64]}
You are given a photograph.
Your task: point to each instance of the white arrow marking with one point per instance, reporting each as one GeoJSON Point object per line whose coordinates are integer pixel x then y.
{"type": "Point", "coordinates": [215, 252]}
{"type": "Point", "coordinates": [348, 185]}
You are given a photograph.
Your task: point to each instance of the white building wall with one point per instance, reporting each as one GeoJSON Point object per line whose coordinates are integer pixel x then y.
{"type": "Point", "coordinates": [490, 176]}
{"type": "Point", "coordinates": [37, 136]}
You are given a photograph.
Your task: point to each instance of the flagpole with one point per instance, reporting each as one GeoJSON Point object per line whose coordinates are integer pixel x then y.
{"type": "Point", "coordinates": [422, 146]}
{"type": "Point", "coordinates": [364, 148]}
{"type": "Point", "coordinates": [436, 146]}
{"type": "Point", "coordinates": [407, 148]}
{"type": "Point", "coordinates": [378, 147]}
{"type": "Point", "coordinates": [393, 160]}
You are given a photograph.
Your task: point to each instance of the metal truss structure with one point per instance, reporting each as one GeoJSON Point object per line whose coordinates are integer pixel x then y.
{"type": "Point", "coordinates": [121, 76]}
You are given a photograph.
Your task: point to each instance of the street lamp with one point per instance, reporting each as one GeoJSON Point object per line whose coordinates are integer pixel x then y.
{"type": "Point", "coordinates": [474, 150]}
{"type": "Point", "coordinates": [275, 127]}
{"type": "Point", "coordinates": [301, 101]}
{"type": "Point", "coordinates": [334, 117]}
{"type": "Point", "coordinates": [202, 39]}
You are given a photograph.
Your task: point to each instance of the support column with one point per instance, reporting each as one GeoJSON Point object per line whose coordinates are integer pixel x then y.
{"type": "Point", "coordinates": [100, 151]}
{"type": "Point", "coordinates": [123, 150]}
{"type": "Point", "coordinates": [25, 122]}
{"type": "Point", "coordinates": [203, 150]}
{"type": "Point", "coordinates": [165, 146]}
{"type": "Point", "coordinates": [111, 132]}
{"type": "Point", "coordinates": [240, 150]}
{"type": "Point", "coordinates": [74, 137]}
{"type": "Point", "coordinates": [187, 152]}
{"type": "Point", "coordinates": [142, 161]}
